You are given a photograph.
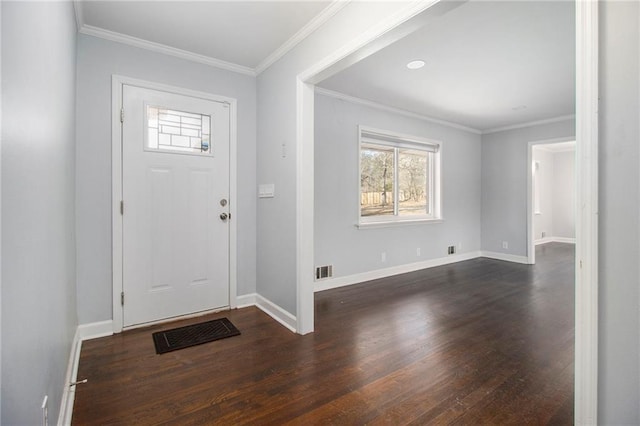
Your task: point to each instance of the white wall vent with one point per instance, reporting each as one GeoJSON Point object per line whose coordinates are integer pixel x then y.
{"type": "Point", "coordinates": [323, 272]}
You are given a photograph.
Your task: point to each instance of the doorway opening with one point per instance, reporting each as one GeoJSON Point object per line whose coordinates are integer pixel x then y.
{"type": "Point", "coordinates": [587, 191]}
{"type": "Point", "coordinates": [551, 190]}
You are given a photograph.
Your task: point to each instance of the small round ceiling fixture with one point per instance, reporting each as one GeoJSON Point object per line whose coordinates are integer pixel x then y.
{"type": "Point", "coordinates": [414, 65]}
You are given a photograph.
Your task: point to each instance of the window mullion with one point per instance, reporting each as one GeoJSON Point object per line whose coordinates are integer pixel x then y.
{"type": "Point", "coordinates": [396, 182]}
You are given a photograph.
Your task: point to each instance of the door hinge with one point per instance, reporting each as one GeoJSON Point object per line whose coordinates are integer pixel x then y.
{"type": "Point", "coordinates": [122, 115]}
{"type": "Point", "coordinates": [122, 207]}
{"type": "Point", "coordinates": [122, 298]}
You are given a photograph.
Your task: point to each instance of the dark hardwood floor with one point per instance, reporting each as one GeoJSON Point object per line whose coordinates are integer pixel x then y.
{"type": "Point", "coordinates": [477, 342]}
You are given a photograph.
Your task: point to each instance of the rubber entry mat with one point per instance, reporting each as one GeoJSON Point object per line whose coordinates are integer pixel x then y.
{"type": "Point", "coordinates": [192, 335]}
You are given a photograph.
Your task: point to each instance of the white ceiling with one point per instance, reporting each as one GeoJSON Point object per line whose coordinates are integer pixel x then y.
{"type": "Point", "coordinates": [488, 65]}
{"type": "Point", "coordinates": [243, 33]}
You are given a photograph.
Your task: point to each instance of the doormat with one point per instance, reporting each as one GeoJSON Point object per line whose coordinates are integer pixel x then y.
{"type": "Point", "coordinates": [192, 335]}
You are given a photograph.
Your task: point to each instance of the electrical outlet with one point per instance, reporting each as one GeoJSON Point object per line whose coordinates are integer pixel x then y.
{"type": "Point", "coordinates": [418, 251]}
{"type": "Point", "coordinates": [45, 411]}
{"type": "Point", "coordinates": [451, 250]}
{"type": "Point", "coordinates": [505, 244]}
{"type": "Point", "coordinates": [459, 247]}
{"type": "Point", "coordinates": [383, 257]}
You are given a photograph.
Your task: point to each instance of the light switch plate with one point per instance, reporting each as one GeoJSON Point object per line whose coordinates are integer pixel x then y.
{"type": "Point", "coordinates": [266, 190]}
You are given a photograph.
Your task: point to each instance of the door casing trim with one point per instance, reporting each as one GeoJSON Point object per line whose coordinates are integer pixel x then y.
{"type": "Point", "coordinates": [117, 83]}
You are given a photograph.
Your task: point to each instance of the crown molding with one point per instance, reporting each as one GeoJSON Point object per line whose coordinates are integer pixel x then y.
{"type": "Point", "coordinates": [530, 124]}
{"type": "Point", "coordinates": [319, 20]}
{"type": "Point", "coordinates": [557, 151]}
{"type": "Point", "coordinates": [167, 50]}
{"type": "Point", "coordinates": [399, 111]}
{"type": "Point", "coordinates": [553, 147]}
{"type": "Point", "coordinates": [77, 8]}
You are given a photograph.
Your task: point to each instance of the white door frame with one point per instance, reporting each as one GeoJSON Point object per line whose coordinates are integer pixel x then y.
{"type": "Point", "coordinates": [586, 313]}
{"type": "Point", "coordinates": [531, 246]}
{"type": "Point", "coordinates": [117, 83]}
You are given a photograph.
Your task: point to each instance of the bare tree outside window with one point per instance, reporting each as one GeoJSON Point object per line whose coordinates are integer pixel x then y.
{"type": "Point", "coordinates": [398, 177]}
{"type": "Point", "coordinates": [412, 176]}
{"type": "Point", "coordinates": [376, 181]}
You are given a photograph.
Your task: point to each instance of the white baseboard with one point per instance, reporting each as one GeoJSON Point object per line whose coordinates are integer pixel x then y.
{"type": "Point", "coordinates": [69, 392]}
{"type": "Point", "coordinates": [95, 329]}
{"type": "Point", "coordinates": [277, 313]}
{"type": "Point", "coordinates": [394, 270]}
{"type": "Point", "coordinates": [246, 300]}
{"type": "Point", "coordinates": [505, 256]}
{"type": "Point", "coordinates": [269, 308]}
{"type": "Point", "coordinates": [83, 332]}
{"type": "Point", "coordinates": [564, 240]}
{"type": "Point", "coordinates": [546, 240]}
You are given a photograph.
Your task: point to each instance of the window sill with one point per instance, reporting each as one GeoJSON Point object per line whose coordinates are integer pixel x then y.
{"type": "Point", "coordinates": [390, 224]}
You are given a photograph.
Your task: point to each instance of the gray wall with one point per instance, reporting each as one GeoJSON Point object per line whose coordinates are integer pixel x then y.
{"type": "Point", "coordinates": [564, 194]}
{"type": "Point", "coordinates": [351, 250]}
{"type": "Point", "coordinates": [619, 203]}
{"type": "Point", "coordinates": [504, 184]}
{"type": "Point", "coordinates": [38, 232]}
{"type": "Point", "coordinates": [98, 59]}
{"type": "Point", "coordinates": [277, 126]}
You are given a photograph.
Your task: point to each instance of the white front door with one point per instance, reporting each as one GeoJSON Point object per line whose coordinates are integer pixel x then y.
{"type": "Point", "coordinates": [175, 186]}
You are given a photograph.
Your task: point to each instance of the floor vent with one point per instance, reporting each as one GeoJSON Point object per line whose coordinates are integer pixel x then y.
{"type": "Point", "coordinates": [323, 272]}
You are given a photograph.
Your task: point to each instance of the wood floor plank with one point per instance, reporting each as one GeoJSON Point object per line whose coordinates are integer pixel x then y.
{"type": "Point", "coordinates": [477, 342]}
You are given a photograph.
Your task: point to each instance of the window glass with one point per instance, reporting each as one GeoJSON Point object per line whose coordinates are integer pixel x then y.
{"type": "Point", "coordinates": [413, 176]}
{"type": "Point", "coordinates": [399, 177]}
{"type": "Point", "coordinates": [376, 181]}
{"type": "Point", "coordinates": [177, 131]}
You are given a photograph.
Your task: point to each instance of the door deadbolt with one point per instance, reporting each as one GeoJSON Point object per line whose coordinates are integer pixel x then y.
{"type": "Point", "coordinates": [224, 217]}
{"type": "Point", "coordinates": [223, 202]}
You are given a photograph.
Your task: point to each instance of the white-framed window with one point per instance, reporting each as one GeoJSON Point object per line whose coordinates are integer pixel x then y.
{"type": "Point", "coordinates": [399, 178]}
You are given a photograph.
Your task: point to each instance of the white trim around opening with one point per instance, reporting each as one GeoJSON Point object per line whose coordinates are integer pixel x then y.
{"type": "Point", "coordinates": [586, 312]}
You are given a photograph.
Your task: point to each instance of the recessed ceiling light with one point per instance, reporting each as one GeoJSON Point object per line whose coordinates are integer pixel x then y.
{"type": "Point", "coordinates": [414, 65]}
